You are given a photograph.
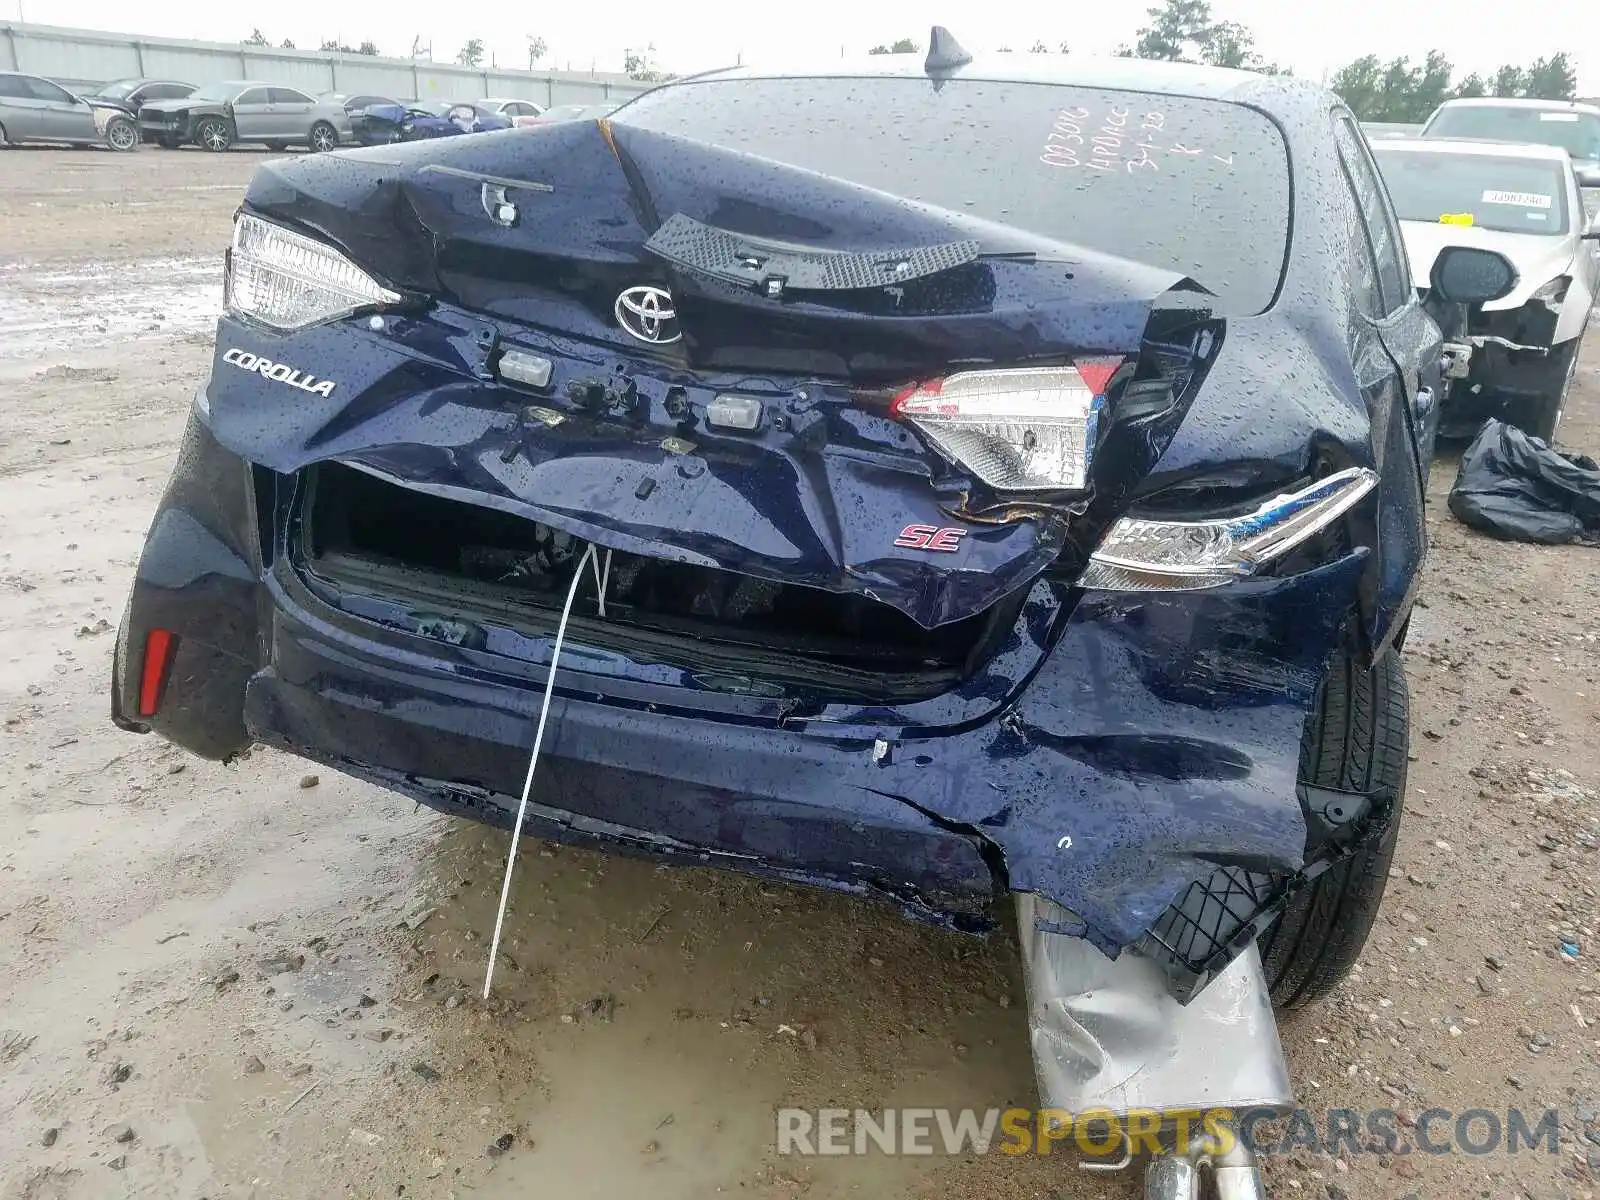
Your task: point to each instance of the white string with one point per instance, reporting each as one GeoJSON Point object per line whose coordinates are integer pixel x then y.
{"type": "Point", "coordinates": [601, 579]}
{"type": "Point", "coordinates": [588, 559]}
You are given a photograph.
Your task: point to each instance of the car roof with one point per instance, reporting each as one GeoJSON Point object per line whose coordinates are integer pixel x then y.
{"type": "Point", "coordinates": [1117, 74]}
{"type": "Point", "coordinates": [1518, 102]}
{"type": "Point", "coordinates": [1474, 147]}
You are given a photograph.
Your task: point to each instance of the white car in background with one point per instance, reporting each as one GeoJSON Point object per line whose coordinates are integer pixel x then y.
{"type": "Point", "coordinates": [512, 109]}
{"type": "Point", "coordinates": [1523, 200]}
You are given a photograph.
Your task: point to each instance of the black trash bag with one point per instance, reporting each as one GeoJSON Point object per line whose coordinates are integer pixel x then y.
{"type": "Point", "coordinates": [1516, 487]}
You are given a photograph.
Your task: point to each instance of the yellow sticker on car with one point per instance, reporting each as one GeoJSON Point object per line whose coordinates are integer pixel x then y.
{"type": "Point", "coordinates": [1455, 218]}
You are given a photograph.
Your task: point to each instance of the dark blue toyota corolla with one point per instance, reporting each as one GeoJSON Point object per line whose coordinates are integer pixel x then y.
{"type": "Point", "coordinates": [1004, 477]}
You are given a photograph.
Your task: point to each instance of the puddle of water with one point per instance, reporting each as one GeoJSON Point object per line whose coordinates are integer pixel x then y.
{"type": "Point", "coordinates": [45, 312]}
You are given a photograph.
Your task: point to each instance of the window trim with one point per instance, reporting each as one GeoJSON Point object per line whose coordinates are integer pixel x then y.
{"type": "Point", "coordinates": [265, 91]}
{"type": "Point", "coordinates": [1407, 295]}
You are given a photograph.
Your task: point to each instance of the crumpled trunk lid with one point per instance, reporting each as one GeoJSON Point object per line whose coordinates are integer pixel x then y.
{"type": "Point", "coordinates": [830, 491]}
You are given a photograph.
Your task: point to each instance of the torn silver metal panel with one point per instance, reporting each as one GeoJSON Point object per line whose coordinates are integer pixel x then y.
{"type": "Point", "coordinates": [1108, 1034]}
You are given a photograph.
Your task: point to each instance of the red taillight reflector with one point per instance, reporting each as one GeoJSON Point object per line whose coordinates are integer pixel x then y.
{"type": "Point", "coordinates": [1096, 373]}
{"type": "Point", "coordinates": [157, 657]}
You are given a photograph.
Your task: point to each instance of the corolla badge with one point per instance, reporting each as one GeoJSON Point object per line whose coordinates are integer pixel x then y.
{"type": "Point", "coordinates": [647, 313]}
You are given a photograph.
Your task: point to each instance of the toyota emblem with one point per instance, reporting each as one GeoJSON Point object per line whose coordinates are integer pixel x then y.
{"type": "Point", "coordinates": [646, 313]}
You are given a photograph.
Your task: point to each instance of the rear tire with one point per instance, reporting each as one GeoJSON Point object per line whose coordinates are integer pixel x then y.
{"type": "Point", "coordinates": [1356, 740]}
{"type": "Point", "coordinates": [167, 142]}
{"type": "Point", "coordinates": [213, 134]}
{"type": "Point", "coordinates": [1540, 416]}
{"type": "Point", "coordinates": [122, 135]}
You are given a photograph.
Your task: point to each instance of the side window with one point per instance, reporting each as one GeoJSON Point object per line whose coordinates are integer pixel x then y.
{"type": "Point", "coordinates": [167, 91]}
{"type": "Point", "coordinates": [43, 89]}
{"type": "Point", "coordinates": [289, 96]}
{"type": "Point", "coordinates": [1382, 229]}
{"type": "Point", "coordinates": [252, 96]}
{"type": "Point", "coordinates": [15, 86]}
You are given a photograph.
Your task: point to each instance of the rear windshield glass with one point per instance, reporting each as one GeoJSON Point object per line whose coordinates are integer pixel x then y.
{"type": "Point", "coordinates": [1196, 186]}
{"type": "Point", "coordinates": [1576, 133]}
{"type": "Point", "coordinates": [1507, 194]}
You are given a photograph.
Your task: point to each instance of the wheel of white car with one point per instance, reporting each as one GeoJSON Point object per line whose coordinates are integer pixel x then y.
{"type": "Point", "coordinates": [122, 135]}
{"type": "Point", "coordinates": [323, 137]}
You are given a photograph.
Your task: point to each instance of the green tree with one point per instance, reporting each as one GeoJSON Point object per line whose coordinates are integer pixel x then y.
{"type": "Point", "coordinates": [471, 55]}
{"type": "Point", "coordinates": [1357, 83]}
{"type": "Point", "coordinates": [369, 48]}
{"type": "Point", "coordinates": [1510, 81]}
{"type": "Point", "coordinates": [256, 38]}
{"type": "Point", "coordinates": [536, 50]}
{"type": "Point", "coordinates": [1432, 87]}
{"type": "Point", "coordinates": [1551, 78]}
{"type": "Point", "coordinates": [1039, 48]}
{"type": "Point", "coordinates": [286, 44]}
{"type": "Point", "coordinates": [1177, 31]}
{"type": "Point", "coordinates": [903, 46]}
{"type": "Point", "coordinates": [1472, 86]}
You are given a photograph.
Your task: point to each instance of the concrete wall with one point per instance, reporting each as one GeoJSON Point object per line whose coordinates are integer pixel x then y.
{"type": "Point", "coordinates": [78, 58]}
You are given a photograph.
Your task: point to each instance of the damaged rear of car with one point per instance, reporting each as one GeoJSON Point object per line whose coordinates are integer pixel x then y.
{"type": "Point", "coordinates": [1032, 510]}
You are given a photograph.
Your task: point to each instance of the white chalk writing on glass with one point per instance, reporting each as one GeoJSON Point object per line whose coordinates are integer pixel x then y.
{"type": "Point", "coordinates": [1115, 142]}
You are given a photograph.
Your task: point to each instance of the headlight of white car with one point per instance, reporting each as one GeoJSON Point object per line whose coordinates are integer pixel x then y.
{"type": "Point", "coordinates": [289, 281]}
{"type": "Point", "coordinates": [1552, 294]}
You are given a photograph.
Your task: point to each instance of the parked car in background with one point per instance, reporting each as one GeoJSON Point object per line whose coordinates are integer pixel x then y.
{"type": "Point", "coordinates": [422, 120]}
{"type": "Point", "coordinates": [33, 109]}
{"type": "Point", "coordinates": [220, 115]}
{"type": "Point", "coordinates": [512, 109]}
{"type": "Point", "coordinates": [357, 107]}
{"type": "Point", "coordinates": [556, 114]}
{"type": "Point", "coordinates": [1573, 126]}
{"type": "Point", "coordinates": [130, 95]}
{"type": "Point", "coordinates": [1522, 200]}
{"type": "Point", "coordinates": [1389, 129]}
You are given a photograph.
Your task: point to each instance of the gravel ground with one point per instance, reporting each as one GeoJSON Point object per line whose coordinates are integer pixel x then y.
{"type": "Point", "coordinates": [249, 981]}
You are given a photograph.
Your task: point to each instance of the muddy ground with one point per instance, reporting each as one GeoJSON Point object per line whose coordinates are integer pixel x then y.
{"type": "Point", "coordinates": [265, 979]}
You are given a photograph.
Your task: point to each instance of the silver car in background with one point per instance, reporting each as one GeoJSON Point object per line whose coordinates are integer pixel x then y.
{"type": "Point", "coordinates": [220, 115]}
{"type": "Point", "coordinates": [35, 110]}
{"type": "Point", "coordinates": [1523, 201]}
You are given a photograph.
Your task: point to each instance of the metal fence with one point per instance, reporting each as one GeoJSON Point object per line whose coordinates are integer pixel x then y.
{"type": "Point", "coordinates": [78, 58]}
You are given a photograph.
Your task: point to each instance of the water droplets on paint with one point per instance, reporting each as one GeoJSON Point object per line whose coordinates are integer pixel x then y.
{"type": "Point", "coordinates": [54, 310]}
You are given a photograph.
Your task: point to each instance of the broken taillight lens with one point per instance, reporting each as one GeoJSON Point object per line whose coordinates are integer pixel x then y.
{"type": "Point", "coordinates": [1021, 429]}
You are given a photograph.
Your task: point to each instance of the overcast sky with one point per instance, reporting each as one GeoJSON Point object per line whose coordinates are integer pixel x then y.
{"type": "Point", "coordinates": [1313, 36]}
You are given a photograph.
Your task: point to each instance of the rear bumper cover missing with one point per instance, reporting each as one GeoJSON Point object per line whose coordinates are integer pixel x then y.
{"type": "Point", "coordinates": [1157, 740]}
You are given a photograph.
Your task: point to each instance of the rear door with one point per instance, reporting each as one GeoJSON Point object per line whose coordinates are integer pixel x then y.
{"type": "Point", "coordinates": [1394, 346]}
{"type": "Point", "coordinates": [253, 116]}
{"type": "Point", "coordinates": [291, 112]}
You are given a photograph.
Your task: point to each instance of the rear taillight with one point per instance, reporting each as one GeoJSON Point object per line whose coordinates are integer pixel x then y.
{"type": "Point", "coordinates": [153, 674]}
{"type": "Point", "coordinates": [1021, 429]}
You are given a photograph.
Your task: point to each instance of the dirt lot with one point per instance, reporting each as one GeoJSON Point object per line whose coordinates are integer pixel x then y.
{"type": "Point", "coordinates": [265, 981]}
